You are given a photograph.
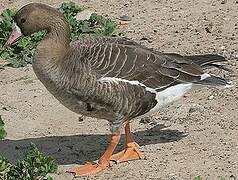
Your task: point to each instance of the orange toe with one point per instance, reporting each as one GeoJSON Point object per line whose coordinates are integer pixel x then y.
{"type": "Point", "coordinates": [87, 169]}
{"type": "Point", "coordinates": [131, 152]}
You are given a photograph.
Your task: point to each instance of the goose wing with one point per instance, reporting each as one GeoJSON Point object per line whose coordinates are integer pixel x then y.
{"type": "Point", "coordinates": [127, 60]}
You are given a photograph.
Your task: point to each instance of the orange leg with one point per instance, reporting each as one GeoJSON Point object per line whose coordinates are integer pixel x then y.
{"type": "Point", "coordinates": [94, 168]}
{"type": "Point", "coordinates": [131, 151]}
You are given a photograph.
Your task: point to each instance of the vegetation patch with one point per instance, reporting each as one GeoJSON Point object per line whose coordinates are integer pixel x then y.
{"type": "Point", "coordinates": [21, 53]}
{"type": "Point", "coordinates": [3, 133]}
{"type": "Point", "coordinates": [197, 178]}
{"type": "Point", "coordinates": [34, 166]}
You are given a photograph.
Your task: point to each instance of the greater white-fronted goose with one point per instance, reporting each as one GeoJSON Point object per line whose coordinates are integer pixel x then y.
{"type": "Point", "coordinates": [108, 78]}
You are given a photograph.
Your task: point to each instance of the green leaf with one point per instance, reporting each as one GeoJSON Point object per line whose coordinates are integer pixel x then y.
{"type": "Point", "coordinates": [1, 121]}
{"type": "Point", "coordinates": [221, 178]}
{"type": "Point", "coordinates": [49, 178]}
{"type": "Point", "coordinates": [3, 133]}
{"type": "Point", "coordinates": [5, 168]}
{"type": "Point", "coordinates": [197, 178]}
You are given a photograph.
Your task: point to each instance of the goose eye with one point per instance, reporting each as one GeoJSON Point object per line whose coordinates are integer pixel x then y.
{"type": "Point", "coordinates": [23, 20]}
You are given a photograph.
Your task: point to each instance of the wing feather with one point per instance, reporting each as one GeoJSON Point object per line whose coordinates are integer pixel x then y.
{"type": "Point", "coordinates": [126, 59]}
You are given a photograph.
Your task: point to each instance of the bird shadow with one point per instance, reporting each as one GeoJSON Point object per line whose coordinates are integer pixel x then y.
{"type": "Point", "coordinates": [82, 148]}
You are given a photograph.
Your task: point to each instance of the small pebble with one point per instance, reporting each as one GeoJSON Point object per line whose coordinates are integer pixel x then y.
{"type": "Point", "coordinates": [81, 118]}
{"type": "Point", "coordinates": [223, 1]}
{"type": "Point", "coordinates": [196, 108]}
{"type": "Point", "coordinates": [155, 30]}
{"type": "Point", "coordinates": [209, 27]}
{"type": "Point", "coordinates": [125, 18]}
{"type": "Point", "coordinates": [207, 30]}
{"type": "Point", "coordinates": [223, 47]}
{"type": "Point", "coordinates": [5, 109]}
{"type": "Point", "coordinates": [211, 97]}
{"type": "Point", "coordinates": [123, 23]}
{"type": "Point", "coordinates": [146, 39]}
{"type": "Point", "coordinates": [145, 120]}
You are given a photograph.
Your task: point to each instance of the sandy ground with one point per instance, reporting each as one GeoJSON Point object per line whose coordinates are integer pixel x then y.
{"type": "Point", "coordinates": [195, 136]}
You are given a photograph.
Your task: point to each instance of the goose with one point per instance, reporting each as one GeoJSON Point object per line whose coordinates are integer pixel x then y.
{"type": "Point", "coordinates": [109, 78]}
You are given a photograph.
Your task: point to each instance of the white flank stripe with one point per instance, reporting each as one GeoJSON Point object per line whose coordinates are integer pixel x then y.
{"type": "Point", "coordinates": [116, 80]}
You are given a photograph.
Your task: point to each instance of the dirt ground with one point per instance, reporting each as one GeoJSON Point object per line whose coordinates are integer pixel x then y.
{"type": "Point", "coordinates": [195, 136]}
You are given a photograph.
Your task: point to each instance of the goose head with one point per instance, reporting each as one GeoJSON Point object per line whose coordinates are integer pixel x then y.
{"type": "Point", "coordinates": [35, 17]}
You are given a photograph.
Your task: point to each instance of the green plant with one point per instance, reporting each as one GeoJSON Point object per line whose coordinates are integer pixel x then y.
{"type": "Point", "coordinates": [197, 178]}
{"type": "Point", "coordinates": [5, 168]}
{"type": "Point", "coordinates": [34, 166]}
{"type": "Point", "coordinates": [221, 178]}
{"type": "Point", "coordinates": [3, 133]}
{"type": "Point", "coordinates": [21, 53]}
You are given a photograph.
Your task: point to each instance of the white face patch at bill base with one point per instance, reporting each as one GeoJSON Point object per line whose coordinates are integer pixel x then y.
{"type": "Point", "coordinates": [16, 28]}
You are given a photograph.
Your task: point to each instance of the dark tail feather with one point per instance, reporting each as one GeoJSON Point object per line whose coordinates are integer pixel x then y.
{"type": "Point", "coordinates": [209, 60]}
{"type": "Point", "coordinates": [218, 66]}
{"type": "Point", "coordinates": [203, 60]}
{"type": "Point", "coordinates": [214, 81]}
